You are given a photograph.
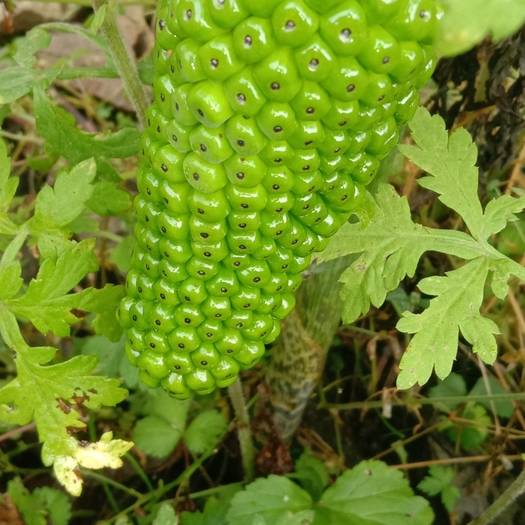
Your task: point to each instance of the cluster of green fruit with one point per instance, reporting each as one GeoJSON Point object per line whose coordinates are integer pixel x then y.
{"type": "Point", "coordinates": [269, 119]}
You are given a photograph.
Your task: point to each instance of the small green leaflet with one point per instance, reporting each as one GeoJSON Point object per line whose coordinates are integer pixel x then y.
{"type": "Point", "coordinates": [467, 22]}
{"type": "Point", "coordinates": [43, 506]}
{"type": "Point", "coordinates": [503, 409]}
{"type": "Point", "coordinates": [109, 199]}
{"type": "Point", "coordinates": [112, 361]}
{"type": "Point", "coordinates": [450, 163]}
{"type": "Point", "coordinates": [454, 385]}
{"type": "Point", "coordinates": [46, 302]}
{"type": "Point", "coordinates": [499, 212]}
{"type": "Point", "coordinates": [158, 433]}
{"type": "Point", "coordinates": [30, 508]}
{"type": "Point", "coordinates": [439, 481]}
{"type": "Point", "coordinates": [471, 435]}
{"type": "Point", "coordinates": [205, 431]}
{"type": "Point", "coordinates": [59, 205]}
{"type": "Point", "coordinates": [155, 436]}
{"type": "Point", "coordinates": [103, 302]}
{"type": "Point", "coordinates": [455, 309]}
{"type": "Point", "coordinates": [166, 514]}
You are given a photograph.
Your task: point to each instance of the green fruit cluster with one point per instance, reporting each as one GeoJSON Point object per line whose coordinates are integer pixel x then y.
{"type": "Point", "coordinates": [269, 118]}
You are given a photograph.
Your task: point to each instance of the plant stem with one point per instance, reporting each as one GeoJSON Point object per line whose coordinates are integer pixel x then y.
{"type": "Point", "coordinates": [243, 429]}
{"type": "Point", "coordinates": [511, 494]}
{"type": "Point", "coordinates": [454, 461]}
{"type": "Point", "coordinates": [124, 62]}
{"type": "Point", "coordinates": [298, 356]}
{"type": "Point", "coordinates": [109, 481]}
{"type": "Point", "coordinates": [209, 492]}
{"type": "Point", "coordinates": [162, 489]}
{"type": "Point", "coordinates": [415, 401]}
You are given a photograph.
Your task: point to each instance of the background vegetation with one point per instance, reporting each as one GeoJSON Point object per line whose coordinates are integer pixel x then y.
{"type": "Point", "coordinates": [320, 415]}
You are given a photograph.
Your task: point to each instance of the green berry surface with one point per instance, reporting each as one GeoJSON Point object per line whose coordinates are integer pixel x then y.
{"type": "Point", "coordinates": [269, 119]}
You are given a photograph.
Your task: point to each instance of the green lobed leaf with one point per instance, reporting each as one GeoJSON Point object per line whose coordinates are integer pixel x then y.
{"type": "Point", "coordinates": [32, 509]}
{"type": "Point", "coordinates": [467, 22]}
{"type": "Point", "coordinates": [8, 184]}
{"type": "Point", "coordinates": [53, 396]}
{"type": "Point", "coordinates": [103, 302]}
{"type": "Point", "coordinates": [205, 431]}
{"type": "Point", "coordinates": [499, 212]}
{"type": "Point", "coordinates": [372, 493]}
{"type": "Point", "coordinates": [155, 436]}
{"type": "Point", "coordinates": [502, 271]}
{"type": "Point", "coordinates": [450, 496]}
{"type": "Point", "coordinates": [9, 329]}
{"type": "Point", "coordinates": [57, 504]}
{"type": "Point", "coordinates": [390, 245]}
{"type": "Point", "coordinates": [59, 205]}
{"type": "Point", "coordinates": [439, 481]}
{"type": "Point", "coordinates": [455, 308]}
{"type": "Point", "coordinates": [166, 515]}
{"type": "Point", "coordinates": [46, 302]}
{"type": "Point", "coordinates": [450, 161]}
{"type": "Point", "coordinates": [271, 500]}
{"type": "Point", "coordinates": [62, 136]}
{"type": "Point", "coordinates": [109, 199]}
{"type": "Point", "coordinates": [159, 432]}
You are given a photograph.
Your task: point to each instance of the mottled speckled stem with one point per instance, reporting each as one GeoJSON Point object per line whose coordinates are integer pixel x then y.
{"type": "Point", "coordinates": [299, 355]}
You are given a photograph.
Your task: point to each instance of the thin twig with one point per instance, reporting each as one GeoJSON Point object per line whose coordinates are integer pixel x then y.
{"type": "Point", "coordinates": [454, 461]}
{"type": "Point", "coordinates": [162, 489]}
{"type": "Point", "coordinates": [243, 429]}
{"type": "Point", "coordinates": [414, 401]}
{"type": "Point", "coordinates": [15, 432]}
{"type": "Point", "coordinates": [408, 440]}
